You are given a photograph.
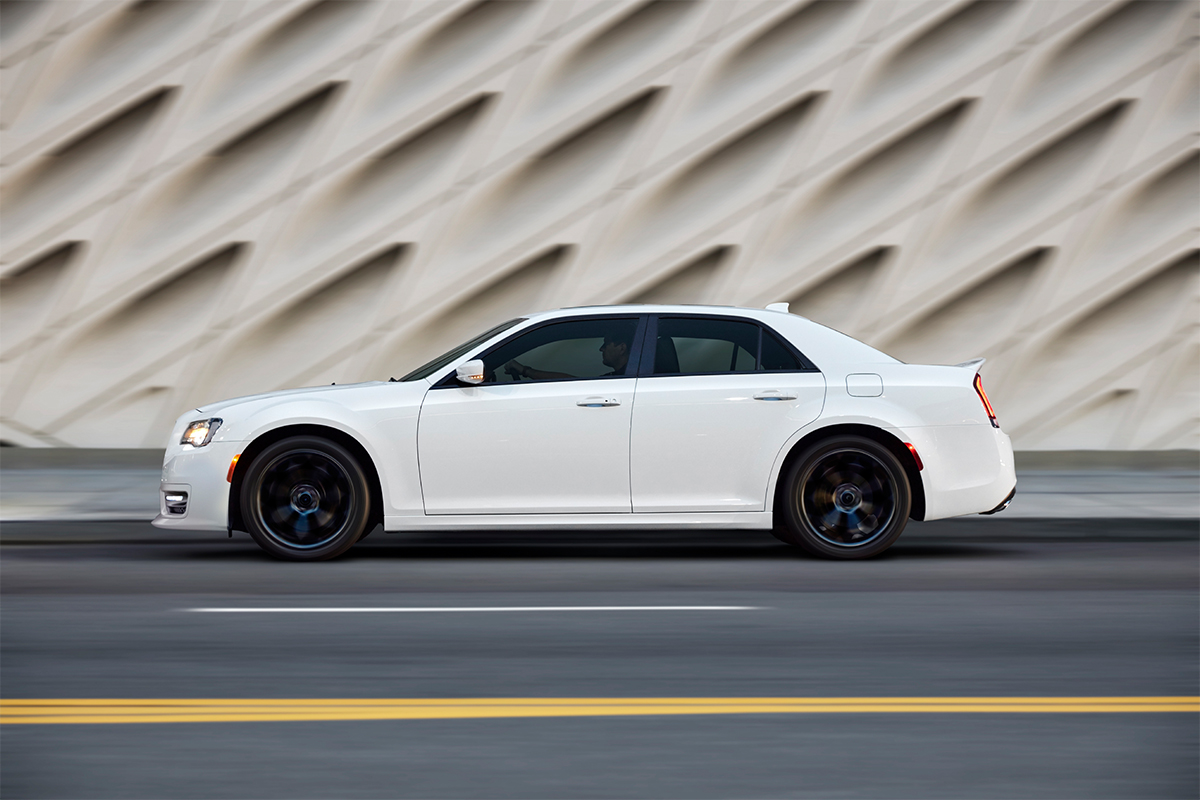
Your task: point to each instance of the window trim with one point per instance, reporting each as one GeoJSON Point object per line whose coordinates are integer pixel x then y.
{"type": "Point", "coordinates": [449, 381]}
{"type": "Point", "coordinates": [647, 364]}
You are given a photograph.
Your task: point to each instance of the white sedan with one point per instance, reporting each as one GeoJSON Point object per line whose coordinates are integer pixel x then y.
{"type": "Point", "coordinates": [600, 418]}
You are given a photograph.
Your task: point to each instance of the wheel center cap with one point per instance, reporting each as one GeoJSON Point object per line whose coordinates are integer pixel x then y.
{"type": "Point", "coordinates": [847, 497]}
{"type": "Point", "coordinates": [305, 498]}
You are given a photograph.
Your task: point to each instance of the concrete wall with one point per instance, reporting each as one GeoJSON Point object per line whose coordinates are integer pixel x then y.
{"type": "Point", "coordinates": [208, 199]}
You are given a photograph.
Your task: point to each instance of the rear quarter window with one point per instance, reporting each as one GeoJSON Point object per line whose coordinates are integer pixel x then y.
{"type": "Point", "coordinates": [777, 357]}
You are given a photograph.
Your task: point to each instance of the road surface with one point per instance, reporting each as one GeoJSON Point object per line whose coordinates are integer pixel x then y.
{"type": "Point", "coordinates": [108, 612]}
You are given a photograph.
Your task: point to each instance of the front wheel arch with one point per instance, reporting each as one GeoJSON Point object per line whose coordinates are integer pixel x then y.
{"type": "Point", "coordinates": [265, 440]}
{"type": "Point", "coordinates": [897, 448]}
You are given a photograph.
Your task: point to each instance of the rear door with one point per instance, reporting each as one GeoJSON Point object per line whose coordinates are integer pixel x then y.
{"type": "Point", "coordinates": [717, 397]}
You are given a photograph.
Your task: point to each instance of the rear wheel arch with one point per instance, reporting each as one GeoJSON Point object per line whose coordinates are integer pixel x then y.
{"type": "Point", "coordinates": [346, 440]}
{"type": "Point", "coordinates": [888, 440]}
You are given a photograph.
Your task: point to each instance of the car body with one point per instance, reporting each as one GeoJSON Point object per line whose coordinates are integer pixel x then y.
{"type": "Point", "coordinates": [670, 439]}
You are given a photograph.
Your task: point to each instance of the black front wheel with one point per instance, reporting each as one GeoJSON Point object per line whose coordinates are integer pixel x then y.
{"type": "Point", "coordinates": [846, 497]}
{"type": "Point", "coordinates": [305, 499]}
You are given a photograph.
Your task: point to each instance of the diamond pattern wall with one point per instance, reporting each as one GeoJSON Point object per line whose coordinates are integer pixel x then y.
{"type": "Point", "coordinates": [204, 199]}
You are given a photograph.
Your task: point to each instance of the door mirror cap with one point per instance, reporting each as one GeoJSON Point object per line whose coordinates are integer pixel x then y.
{"type": "Point", "coordinates": [470, 372]}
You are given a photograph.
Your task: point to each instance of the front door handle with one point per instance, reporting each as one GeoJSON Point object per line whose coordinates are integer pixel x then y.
{"type": "Point", "coordinates": [774, 394]}
{"type": "Point", "coordinates": [598, 402]}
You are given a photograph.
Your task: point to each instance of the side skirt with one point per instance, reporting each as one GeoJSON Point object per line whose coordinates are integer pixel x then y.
{"type": "Point", "coordinates": [725, 520]}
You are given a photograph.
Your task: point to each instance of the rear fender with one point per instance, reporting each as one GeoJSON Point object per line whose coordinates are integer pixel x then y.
{"type": "Point", "coordinates": [870, 427]}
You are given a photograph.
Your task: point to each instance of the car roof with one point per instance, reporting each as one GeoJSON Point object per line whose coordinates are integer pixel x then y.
{"type": "Point", "coordinates": [654, 308]}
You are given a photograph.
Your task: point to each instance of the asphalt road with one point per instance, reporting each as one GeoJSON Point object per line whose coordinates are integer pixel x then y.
{"type": "Point", "coordinates": [102, 611]}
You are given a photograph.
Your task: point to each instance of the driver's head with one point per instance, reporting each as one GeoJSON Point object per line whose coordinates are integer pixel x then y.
{"type": "Point", "coordinates": [615, 349]}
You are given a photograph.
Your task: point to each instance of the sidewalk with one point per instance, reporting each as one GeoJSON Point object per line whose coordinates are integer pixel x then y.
{"type": "Point", "coordinates": [94, 485]}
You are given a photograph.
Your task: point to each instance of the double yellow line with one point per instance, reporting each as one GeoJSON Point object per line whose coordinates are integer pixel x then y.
{"type": "Point", "coordinates": [14, 712]}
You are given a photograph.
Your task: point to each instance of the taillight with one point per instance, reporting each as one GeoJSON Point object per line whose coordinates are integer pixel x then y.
{"type": "Point", "coordinates": [987, 406]}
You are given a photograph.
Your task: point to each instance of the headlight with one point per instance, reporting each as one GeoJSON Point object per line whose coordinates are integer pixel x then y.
{"type": "Point", "coordinates": [200, 432]}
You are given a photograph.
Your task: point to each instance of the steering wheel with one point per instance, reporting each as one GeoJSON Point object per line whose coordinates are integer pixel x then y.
{"type": "Point", "coordinates": [513, 372]}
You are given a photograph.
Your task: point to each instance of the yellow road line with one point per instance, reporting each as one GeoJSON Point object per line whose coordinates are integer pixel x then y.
{"type": "Point", "coordinates": [77, 711]}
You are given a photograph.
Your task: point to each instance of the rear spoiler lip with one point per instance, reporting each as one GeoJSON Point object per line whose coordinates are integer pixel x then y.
{"type": "Point", "coordinates": [974, 364]}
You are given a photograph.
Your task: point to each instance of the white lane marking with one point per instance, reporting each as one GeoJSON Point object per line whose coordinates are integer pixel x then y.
{"type": "Point", "coordinates": [458, 609]}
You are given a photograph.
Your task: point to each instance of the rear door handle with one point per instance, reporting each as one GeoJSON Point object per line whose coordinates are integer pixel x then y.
{"type": "Point", "coordinates": [774, 394]}
{"type": "Point", "coordinates": [598, 402]}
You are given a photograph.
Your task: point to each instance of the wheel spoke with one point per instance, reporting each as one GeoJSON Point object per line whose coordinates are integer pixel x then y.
{"type": "Point", "coordinates": [305, 499]}
{"type": "Point", "coordinates": [849, 498]}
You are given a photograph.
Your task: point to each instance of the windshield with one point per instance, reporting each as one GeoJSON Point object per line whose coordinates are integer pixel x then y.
{"type": "Point", "coordinates": [458, 352]}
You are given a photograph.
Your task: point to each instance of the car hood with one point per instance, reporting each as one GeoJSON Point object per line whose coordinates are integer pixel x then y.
{"type": "Point", "coordinates": [333, 389]}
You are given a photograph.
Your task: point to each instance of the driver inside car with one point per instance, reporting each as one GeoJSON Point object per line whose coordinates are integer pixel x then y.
{"type": "Point", "coordinates": [614, 352]}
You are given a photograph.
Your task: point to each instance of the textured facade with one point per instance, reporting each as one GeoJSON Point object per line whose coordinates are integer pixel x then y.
{"type": "Point", "coordinates": [205, 199]}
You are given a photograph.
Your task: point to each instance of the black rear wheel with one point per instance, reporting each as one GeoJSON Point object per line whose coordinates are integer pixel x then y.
{"type": "Point", "coordinates": [305, 499]}
{"type": "Point", "coordinates": [845, 497]}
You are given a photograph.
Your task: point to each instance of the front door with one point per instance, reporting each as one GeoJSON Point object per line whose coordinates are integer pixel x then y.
{"type": "Point", "coordinates": [546, 433]}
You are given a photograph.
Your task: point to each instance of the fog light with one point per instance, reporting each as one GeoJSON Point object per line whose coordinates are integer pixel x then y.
{"type": "Point", "coordinates": [176, 502]}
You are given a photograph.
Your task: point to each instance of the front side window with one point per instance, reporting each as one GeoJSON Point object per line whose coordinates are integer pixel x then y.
{"type": "Point", "coordinates": [587, 348]}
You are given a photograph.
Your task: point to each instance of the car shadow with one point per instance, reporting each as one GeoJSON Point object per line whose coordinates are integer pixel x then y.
{"type": "Point", "coordinates": [558, 545]}
{"type": "Point", "coordinates": [117, 539]}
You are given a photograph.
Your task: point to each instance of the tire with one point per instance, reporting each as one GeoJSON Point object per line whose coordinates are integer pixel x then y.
{"type": "Point", "coordinates": [845, 497]}
{"type": "Point", "coordinates": [305, 499]}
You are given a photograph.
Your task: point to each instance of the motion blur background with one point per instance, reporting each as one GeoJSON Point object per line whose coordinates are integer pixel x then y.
{"type": "Point", "coordinates": [207, 199]}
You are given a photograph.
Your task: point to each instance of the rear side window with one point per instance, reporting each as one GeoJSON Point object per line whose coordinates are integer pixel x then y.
{"type": "Point", "coordinates": [705, 346]}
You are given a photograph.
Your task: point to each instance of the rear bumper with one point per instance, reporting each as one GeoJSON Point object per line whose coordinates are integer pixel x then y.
{"type": "Point", "coordinates": [1007, 502]}
{"type": "Point", "coordinates": [969, 469]}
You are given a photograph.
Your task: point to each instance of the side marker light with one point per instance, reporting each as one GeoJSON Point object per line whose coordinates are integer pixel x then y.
{"type": "Point", "coordinates": [232, 467]}
{"type": "Point", "coordinates": [916, 457]}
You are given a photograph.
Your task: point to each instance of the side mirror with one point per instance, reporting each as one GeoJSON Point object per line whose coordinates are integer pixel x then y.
{"type": "Point", "coordinates": [470, 372]}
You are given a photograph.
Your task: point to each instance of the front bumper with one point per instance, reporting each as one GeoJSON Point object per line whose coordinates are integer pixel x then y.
{"type": "Point", "coordinates": [200, 474]}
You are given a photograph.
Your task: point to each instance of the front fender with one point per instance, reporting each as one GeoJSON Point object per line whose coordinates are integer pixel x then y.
{"type": "Point", "coordinates": [304, 412]}
{"type": "Point", "coordinates": [387, 435]}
